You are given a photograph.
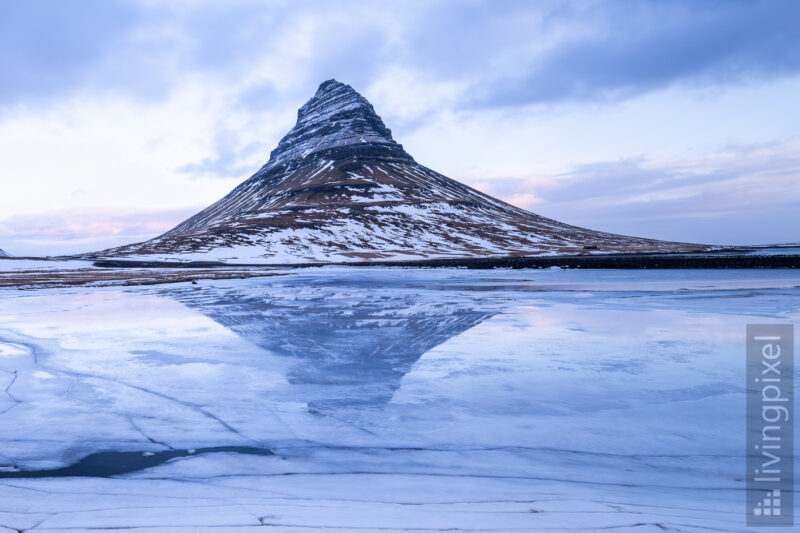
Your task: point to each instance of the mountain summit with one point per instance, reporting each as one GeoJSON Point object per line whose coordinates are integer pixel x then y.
{"type": "Point", "coordinates": [336, 117]}
{"type": "Point", "coordinates": [339, 188]}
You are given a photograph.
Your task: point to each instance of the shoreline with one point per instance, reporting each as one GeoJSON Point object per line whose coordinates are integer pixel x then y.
{"type": "Point", "coordinates": [710, 260]}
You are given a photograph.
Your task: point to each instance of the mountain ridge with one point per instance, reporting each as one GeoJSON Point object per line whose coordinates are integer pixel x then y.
{"type": "Point", "coordinates": [338, 187]}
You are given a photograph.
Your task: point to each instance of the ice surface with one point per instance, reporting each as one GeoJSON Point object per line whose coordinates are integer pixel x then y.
{"type": "Point", "coordinates": [11, 264]}
{"type": "Point", "coordinates": [385, 399]}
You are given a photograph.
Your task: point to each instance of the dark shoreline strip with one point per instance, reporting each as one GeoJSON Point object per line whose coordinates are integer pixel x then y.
{"type": "Point", "coordinates": [611, 261]}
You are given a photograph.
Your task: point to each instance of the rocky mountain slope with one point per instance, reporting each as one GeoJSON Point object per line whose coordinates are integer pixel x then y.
{"type": "Point", "coordinates": [339, 188]}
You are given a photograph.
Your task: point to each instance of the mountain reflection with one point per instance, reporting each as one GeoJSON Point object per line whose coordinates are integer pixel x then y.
{"type": "Point", "coordinates": [352, 340]}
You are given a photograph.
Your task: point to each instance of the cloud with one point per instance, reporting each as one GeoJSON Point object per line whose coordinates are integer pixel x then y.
{"type": "Point", "coordinates": [509, 54]}
{"type": "Point", "coordinates": [745, 194]}
{"type": "Point", "coordinates": [85, 229]}
{"type": "Point", "coordinates": [140, 49]}
{"type": "Point", "coordinates": [47, 46]}
{"type": "Point", "coordinates": [229, 157]}
{"type": "Point", "coordinates": [632, 48]}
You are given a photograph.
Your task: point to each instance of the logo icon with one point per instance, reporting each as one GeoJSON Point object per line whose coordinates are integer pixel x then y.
{"type": "Point", "coordinates": [770, 505]}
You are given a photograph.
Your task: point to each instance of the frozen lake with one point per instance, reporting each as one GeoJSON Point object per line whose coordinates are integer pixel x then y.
{"type": "Point", "coordinates": [383, 400]}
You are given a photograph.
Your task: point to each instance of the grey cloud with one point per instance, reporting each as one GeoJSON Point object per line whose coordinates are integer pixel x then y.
{"type": "Point", "coordinates": [510, 53]}
{"type": "Point", "coordinates": [227, 159]}
{"type": "Point", "coordinates": [637, 47]}
{"type": "Point", "coordinates": [748, 191]}
{"type": "Point", "coordinates": [47, 46]}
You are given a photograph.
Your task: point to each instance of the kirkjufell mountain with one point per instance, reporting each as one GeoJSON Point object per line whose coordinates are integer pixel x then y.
{"type": "Point", "coordinates": [338, 188]}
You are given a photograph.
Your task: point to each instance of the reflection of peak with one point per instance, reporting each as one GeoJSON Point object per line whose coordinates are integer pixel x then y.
{"type": "Point", "coordinates": [351, 345]}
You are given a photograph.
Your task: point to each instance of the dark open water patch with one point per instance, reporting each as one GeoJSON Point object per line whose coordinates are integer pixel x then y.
{"type": "Point", "coordinates": [110, 463]}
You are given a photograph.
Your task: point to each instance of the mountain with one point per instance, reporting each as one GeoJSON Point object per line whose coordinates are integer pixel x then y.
{"type": "Point", "coordinates": [339, 188]}
{"type": "Point", "coordinates": [4, 254]}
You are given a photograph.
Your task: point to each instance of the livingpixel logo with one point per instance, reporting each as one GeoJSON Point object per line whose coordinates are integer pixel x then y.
{"type": "Point", "coordinates": [770, 425]}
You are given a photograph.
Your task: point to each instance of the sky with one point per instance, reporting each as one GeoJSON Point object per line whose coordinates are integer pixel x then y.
{"type": "Point", "coordinates": [675, 120]}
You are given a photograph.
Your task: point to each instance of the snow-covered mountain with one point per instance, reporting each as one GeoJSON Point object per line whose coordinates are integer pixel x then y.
{"type": "Point", "coordinates": [4, 254]}
{"type": "Point", "coordinates": [339, 188]}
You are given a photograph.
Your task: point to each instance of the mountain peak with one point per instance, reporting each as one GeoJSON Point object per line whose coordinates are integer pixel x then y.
{"type": "Point", "coordinates": [339, 188]}
{"type": "Point", "coordinates": [333, 82]}
{"type": "Point", "coordinates": [337, 118]}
